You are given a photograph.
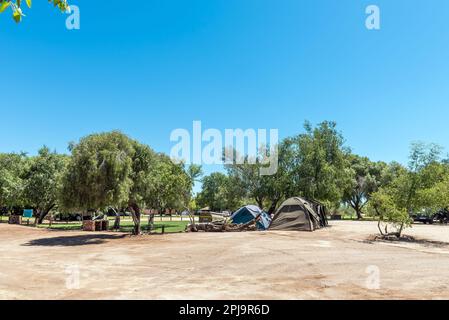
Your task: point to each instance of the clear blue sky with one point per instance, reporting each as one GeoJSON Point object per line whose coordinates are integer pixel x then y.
{"type": "Point", "coordinates": [148, 67]}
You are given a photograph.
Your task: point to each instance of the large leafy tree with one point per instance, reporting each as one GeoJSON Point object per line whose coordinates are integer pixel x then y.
{"type": "Point", "coordinates": [43, 181]}
{"type": "Point", "coordinates": [12, 169]}
{"type": "Point", "coordinates": [16, 7]}
{"type": "Point", "coordinates": [143, 168]}
{"type": "Point", "coordinates": [99, 173]}
{"type": "Point", "coordinates": [417, 189]}
{"type": "Point", "coordinates": [312, 164]}
{"type": "Point", "coordinates": [220, 192]}
{"type": "Point", "coordinates": [433, 194]}
{"type": "Point", "coordinates": [365, 178]}
{"type": "Point", "coordinates": [249, 182]}
{"type": "Point", "coordinates": [318, 167]}
{"type": "Point", "coordinates": [112, 170]}
{"type": "Point", "coordinates": [168, 185]}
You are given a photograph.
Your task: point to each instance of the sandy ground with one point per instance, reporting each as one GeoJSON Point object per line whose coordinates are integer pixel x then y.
{"type": "Point", "coordinates": [335, 263]}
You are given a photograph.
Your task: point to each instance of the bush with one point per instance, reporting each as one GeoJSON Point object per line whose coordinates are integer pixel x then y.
{"type": "Point", "coordinates": [389, 214]}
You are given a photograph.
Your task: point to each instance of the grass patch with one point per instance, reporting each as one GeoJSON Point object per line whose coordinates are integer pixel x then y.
{"type": "Point", "coordinates": [125, 226]}
{"type": "Point", "coordinates": [170, 226]}
{"type": "Point", "coordinates": [61, 226]}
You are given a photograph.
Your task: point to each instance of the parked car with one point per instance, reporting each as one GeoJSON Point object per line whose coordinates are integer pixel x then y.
{"type": "Point", "coordinates": [69, 217]}
{"type": "Point", "coordinates": [423, 218]}
{"type": "Point", "coordinates": [442, 216]}
{"type": "Point", "coordinates": [111, 213]}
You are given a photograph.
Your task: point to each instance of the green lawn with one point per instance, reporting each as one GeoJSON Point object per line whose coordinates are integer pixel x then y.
{"type": "Point", "coordinates": [354, 218]}
{"type": "Point", "coordinates": [170, 226]}
{"type": "Point", "coordinates": [126, 225]}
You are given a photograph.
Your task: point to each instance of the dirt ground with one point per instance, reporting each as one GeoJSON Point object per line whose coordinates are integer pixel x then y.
{"type": "Point", "coordinates": [335, 263]}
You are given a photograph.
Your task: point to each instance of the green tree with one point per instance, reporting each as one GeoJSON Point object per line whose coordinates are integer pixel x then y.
{"type": "Point", "coordinates": [112, 170]}
{"type": "Point", "coordinates": [144, 168]}
{"type": "Point", "coordinates": [12, 169]}
{"type": "Point", "coordinates": [434, 192]}
{"type": "Point", "coordinates": [390, 213]}
{"type": "Point", "coordinates": [194, 172]}
{"type": "Point", "coordinates": [412, 190]}
{"type": "Point", "coordinates": [99, 172]}
{"type": "Point", "coordinates": [16, 7]}
{"type": "Point", "coordinates": [219, 192]}
{"type": "Point", "coordinates": [365, 178]}
{"type": "Point", "coordinates": [168, 185]}
{"type": "Point", "coordinates": [318, 168]}
{"type": "Point", "coordinates": [43, 181]}
{"type": "Point", "coordinates": [249, 182]}
{"type": "Point", "coordinates": [422, 160]}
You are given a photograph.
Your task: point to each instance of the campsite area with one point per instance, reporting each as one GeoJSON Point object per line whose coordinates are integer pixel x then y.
{"type": "Point", "coordinates": [330, 263]}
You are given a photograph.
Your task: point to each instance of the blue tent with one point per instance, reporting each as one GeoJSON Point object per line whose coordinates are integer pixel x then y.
{"type": "Point", "coordinates": [249, 213]}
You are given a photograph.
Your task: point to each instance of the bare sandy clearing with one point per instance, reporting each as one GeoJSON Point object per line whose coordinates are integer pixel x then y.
{"type": "Point", "coordinates": [327, 264]}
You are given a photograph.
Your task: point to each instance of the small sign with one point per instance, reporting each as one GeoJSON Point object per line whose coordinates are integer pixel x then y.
{"type": "Point", "coordinates": [28, 213]}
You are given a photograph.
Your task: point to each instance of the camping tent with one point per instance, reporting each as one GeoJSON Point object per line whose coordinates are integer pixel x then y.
{"type": "Point", "coordinates": [249, 213]}
{"type": "Point", "coordinates": [320, 210]}
{"type": "Point", "coordinates": [299, 214]}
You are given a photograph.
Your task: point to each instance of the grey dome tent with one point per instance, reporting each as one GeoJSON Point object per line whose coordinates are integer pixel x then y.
{"type": "Point", "coordinates": [299, 214]}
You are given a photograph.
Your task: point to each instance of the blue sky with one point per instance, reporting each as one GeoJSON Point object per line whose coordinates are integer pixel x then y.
{"type": "Point", "coordinates": [148, 67]}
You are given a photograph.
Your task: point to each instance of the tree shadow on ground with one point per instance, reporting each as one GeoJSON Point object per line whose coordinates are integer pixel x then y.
{"type": "Point", "coordinates": [71, 241]}
{"type": "Point", "coordinates": [409, 239]}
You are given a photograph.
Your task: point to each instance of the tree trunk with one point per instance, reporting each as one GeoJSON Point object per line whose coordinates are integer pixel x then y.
{"type": "Point", "coordinates": [273, 206]}
{"type": "Point", "coordinates": [259, 202]}
{"type": "Point", "coordinates": [355, 204]}
{"type": "Point", "coordinates": [359, 213]}
{"type": "Point", "coordinates": [151, 222]}
{"type": "Point", "coordinates": [135, 213]}
{"type": "Point", "coordinates": [43, 214]}
{"type": "Point", "coordinates": [380, 229]}
{"type": "Point", "coordinates": [117, 219]}
{"type": "Point", "coordinates": [400, 230]}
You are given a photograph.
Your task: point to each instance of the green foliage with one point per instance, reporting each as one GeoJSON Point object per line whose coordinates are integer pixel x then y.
{"type": "Point", "coordinates": [390, 213]}
{"type": "Point", "coordinates": [422, 188]}
{"type": "Point", "coordinates": [318, 163]}
{"type": "Point", "coordinates": [167, 185]}
{"type": "Point", "coordinates": [43, 180]}
{"type": "Point", "coordinates": [365, 177]}
{"type": "Point", "coordinates": [433, 195]}
{"type": "Point", "coordinates": [110, 169]}
{"type": "Point", "coordinates": [315, 165]}
{"type": "Point", "coordinates": [16, 7]}
{"type": "Point", "coordinates": [220, 192]}
{"type": "Point", "coordinates": [245, 181]}
{"type": "Point", "coordinates": [12, 169]}
{"type": "Point", "coordinates": [99, 173]}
